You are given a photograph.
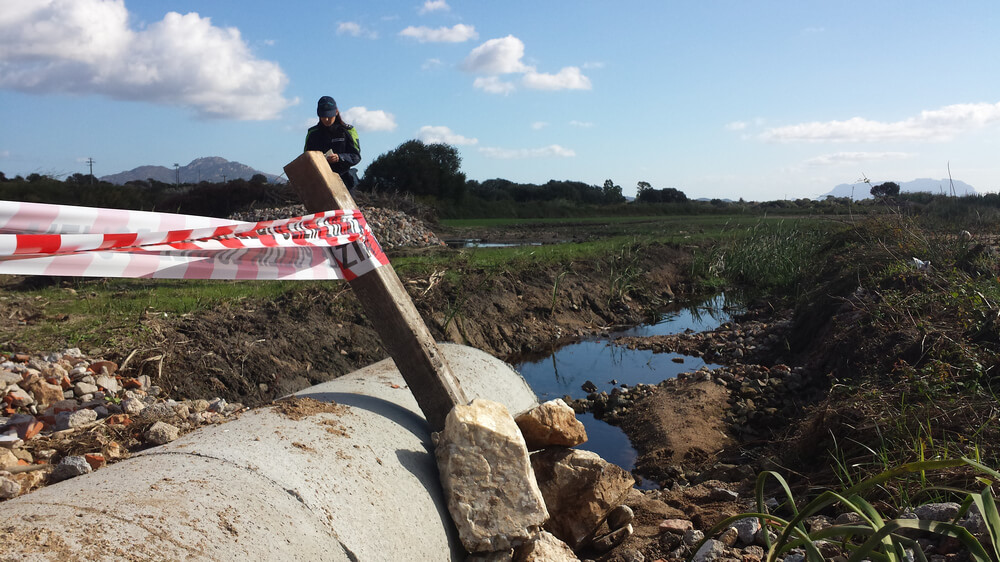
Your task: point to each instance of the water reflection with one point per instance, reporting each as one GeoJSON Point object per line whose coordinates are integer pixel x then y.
{"type": "Point", "coordinates": [564, 371]}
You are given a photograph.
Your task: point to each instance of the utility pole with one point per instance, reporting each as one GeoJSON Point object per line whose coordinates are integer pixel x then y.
{"type": "Point", "coordinates": [91, 162]}
{"type": "Point", "coordinates": [177, 174]}
{"type": "Point", "coordinates": [223, 179]}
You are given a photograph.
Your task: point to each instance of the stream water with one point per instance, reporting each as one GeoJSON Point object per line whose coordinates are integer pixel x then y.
{"type": "Point", "coordinates": [594, 359]}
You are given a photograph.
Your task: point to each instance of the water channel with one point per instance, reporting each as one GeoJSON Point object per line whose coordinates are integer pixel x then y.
{"type": "Point", "coordinates": [564, 371]}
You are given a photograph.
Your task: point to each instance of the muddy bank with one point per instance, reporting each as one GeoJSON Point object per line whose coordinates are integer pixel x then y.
{"type": "Point", "coordinates": [255, 352]}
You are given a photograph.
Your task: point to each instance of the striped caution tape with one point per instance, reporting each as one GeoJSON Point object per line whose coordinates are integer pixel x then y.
{"type": "Point", "coordinates": [64, 240]}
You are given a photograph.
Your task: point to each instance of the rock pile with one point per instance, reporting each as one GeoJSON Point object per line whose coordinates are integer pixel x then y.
{"type": "Point", "coordinates": [66, 414]}
{"type": "Point", "coordinates": [548, 506]}
{"type": "Point", "coordinates": [392, 229]}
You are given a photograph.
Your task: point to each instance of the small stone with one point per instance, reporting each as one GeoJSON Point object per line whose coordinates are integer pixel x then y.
{"type": "Point", "coordinates": [108, 383]}
{"type": "Point", "coordinates": [161, 433]}
{"type": "Point", "coordinates": [158, 411]}
{"type": "Point", "coordinates": [7, 459]}
{"type": "Point", "coordinates": [70, 467]}
{"type": "Point", "coordinates": [693, 537]}
{"type": "Point", "coordinates": [84, 388]}
{"type": "Point", "coordinates": [9, 488]}
{"type": "Point", "coordinates": [18, 396]}
{"type": "Point", "coordinates": [544, 547]}
{"type": "Point", "coordinates": [711, 550]}
{"type": "Point", "coordinates": [607, 542]}
{"type": "Point", "coordinates": [676, 526]}
{"type": "Point", "coordinates": [589, 386]}
{"type": "Point", "coordinates": [95, 460]}
{"type": "Point", "coordinates": [943, 511]}
{"type": "Point", "coordinates": [45, 393]}
{"type": "Point", "coordinates": [620, 516]}
{"type": "Point", "coordinates": [746, 529]}
{"type": "Point", "coordinates": [722, 494]}
{"type": "Point", "coordinates": [729, 537]}
{"type": "Point", "coordinates": [133, 406]}
{"type": "Point", "coordinates": [69, 420]}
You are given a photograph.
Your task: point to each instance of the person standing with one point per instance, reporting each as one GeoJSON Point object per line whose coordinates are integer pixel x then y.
{"type": "Point", "coordinates": [337, 140]}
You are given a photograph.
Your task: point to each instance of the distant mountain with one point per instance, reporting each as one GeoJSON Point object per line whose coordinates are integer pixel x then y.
{"type": "Point", "coordinates": [924, 185]}
{"type": "Point", "coordinates": [210, 169]}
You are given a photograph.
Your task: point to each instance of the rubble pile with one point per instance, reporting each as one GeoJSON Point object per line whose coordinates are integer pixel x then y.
{"type": "Point", "coordinates": [392, 229]}
{"type": "Point", "coordinates": [66, 414]}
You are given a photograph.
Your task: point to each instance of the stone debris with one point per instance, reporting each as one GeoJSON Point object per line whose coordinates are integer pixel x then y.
{"type": "Point", "coordinates": [392, 229]}
{"type": "Point", "coordinates": [544, 547]}
{"type": "Point", "coordinates": [551, 424]}
{"type": "Point", "coordinates": [65, 414]}
{"type": "Point", "coordinates": [580, 490]}
{"type": "Point", "coordinates": [487, 478]}
{"type": "Point", "coordinates": [161, 433]}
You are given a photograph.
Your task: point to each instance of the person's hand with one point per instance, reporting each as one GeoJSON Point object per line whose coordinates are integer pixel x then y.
{"type": "Point", "coordinates": [333, 157]}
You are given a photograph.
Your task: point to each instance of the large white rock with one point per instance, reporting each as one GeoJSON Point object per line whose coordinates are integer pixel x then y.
{"type": "Point", "coordinates": [580, 489]}
{"type": "Point", "coordinates": [553, 423]}
{"type": "Point", "coordinates": [487, 478]}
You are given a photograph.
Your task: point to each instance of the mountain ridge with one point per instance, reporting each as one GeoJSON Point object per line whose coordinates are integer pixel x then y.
{"type": "Point", "coordinates": [862, 190]}
{"type": "Point", "coordinates": [214, 169]}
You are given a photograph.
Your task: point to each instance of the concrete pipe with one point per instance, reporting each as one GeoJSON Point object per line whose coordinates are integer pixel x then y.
{"type": "Point", "coordinates": [355, 480]}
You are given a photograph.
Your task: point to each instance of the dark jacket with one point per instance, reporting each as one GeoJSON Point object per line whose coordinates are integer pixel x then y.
{"type": "Point", "coordinates": [343, 140]}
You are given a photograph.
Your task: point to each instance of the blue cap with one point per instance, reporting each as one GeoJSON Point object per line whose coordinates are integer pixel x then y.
{"type": "Point", "coordinates": [326, 107]}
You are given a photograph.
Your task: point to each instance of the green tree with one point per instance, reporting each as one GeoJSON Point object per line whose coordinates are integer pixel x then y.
{"type": "Point", "coordinates": [258, 179]}
{"type": "Point", "coordinates": [887, 189]}
{"type": "Point", "coordinates": [421, 169]}
{"type": "Point", "coordinates": [612, 192]}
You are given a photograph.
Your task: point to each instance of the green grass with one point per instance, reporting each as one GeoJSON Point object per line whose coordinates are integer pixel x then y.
{"type": "Point", "coordinates": [878, 534]}
{"type": "Point", "coordinates": [107, 312]}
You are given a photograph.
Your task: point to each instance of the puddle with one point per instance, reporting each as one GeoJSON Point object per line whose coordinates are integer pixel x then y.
{"type": "Point", "coordinates": [564, 371]}
{"type": "Point", "coordinates": [479, 243]}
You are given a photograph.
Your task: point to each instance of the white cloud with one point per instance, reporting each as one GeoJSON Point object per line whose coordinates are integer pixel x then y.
{"type": "Point", "coordinates": [497, 56]}
{"type": "Point", "coordinates": [493, 85]}
{"type": "Point", "coordinates": [355, 29]}
{"type": "Point", "coordinates": [434, 6]}
{"type": "Point", "coordinates": [503, 56]}
{"type": "Point", "coordinates": [838, 158]}
{"type": "Point", "coordinates": [431, 64]}
{"type": "Point", "coordinates": [932, 125]}
{"type": "Point", "coordinates": [736, 126]}
{"type": "Point", "coordinates": [367, 120]}
{"type": "Point", "coordinates": [539, 125]}
{"type": "Point", "coordinates": [581, 124]}
{"type": "Point", "coordinates": [569, 78]}
{"type": "Point", "coordinates": [88, 47]}
{"type": "Point", "coordinates": [4, 154]}
{"type": "Point", "coordinates": [593, 64]}
{"type": "Point", "coordinates": [429, 134]}
{"type": "Point", "coordinates": [551, 151]}
{"type": "Point", "coordinates": [456, 34]}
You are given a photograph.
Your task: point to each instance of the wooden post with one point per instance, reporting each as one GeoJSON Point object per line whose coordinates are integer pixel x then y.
{"type": "Point", "coordinates": [385, 301]}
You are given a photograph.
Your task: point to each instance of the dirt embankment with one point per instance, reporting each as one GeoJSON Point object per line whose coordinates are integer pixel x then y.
{"type": "Point", "coordinates": [253, 353]}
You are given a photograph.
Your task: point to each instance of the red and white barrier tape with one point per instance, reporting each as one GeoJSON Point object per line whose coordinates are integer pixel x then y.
{"type": "Point", "coordinates": [63, 240]}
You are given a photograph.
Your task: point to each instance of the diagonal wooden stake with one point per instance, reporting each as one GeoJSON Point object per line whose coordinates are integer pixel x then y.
{"type": "Point", "coordinates": [385, 301]}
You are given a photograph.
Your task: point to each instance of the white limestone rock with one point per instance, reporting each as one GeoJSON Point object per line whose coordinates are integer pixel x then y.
{"type": "Point", "coordinates": [487, 478]}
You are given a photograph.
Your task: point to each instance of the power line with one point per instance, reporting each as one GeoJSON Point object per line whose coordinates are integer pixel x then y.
{"type": "Point", "coordinates": [90, 161]}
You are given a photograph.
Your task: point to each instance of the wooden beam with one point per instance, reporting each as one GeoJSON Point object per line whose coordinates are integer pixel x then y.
{"type": "Point", "coordinates": [385, 301]}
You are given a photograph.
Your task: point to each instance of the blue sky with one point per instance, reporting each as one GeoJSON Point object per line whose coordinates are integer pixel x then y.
{"type": "Point", "coordinates": [755, 99]}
